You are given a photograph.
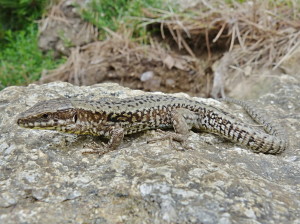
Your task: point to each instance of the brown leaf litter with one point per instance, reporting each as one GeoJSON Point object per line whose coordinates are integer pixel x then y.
{"type": "Point", "coordinates": [118, 59]}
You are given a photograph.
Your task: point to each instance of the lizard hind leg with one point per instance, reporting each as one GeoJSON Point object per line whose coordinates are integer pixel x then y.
{"type": "Point", "coordinates": [182, 120]}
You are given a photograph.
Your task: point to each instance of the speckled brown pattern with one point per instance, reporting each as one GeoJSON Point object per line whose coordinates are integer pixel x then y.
{"type": "Point", "coordinates": [111, 117]}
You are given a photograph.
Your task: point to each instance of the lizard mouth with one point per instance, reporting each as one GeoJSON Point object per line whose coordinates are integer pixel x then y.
{"type": "Point", "coordinates": [22, 123]}
{"type": "Point", "coordinates": [48, 120]}
{"type": "Point", "coordinates": [34, 125]}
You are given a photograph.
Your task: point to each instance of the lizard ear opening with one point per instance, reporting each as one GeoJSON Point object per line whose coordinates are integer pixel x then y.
{"type": "Point", "coordinates": [75, 117]}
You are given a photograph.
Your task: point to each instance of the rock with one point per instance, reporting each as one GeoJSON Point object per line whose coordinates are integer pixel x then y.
{"type": "Point", "coordinates": [64, 28]}
{"type": "Point", "coordinates": [45, 178]}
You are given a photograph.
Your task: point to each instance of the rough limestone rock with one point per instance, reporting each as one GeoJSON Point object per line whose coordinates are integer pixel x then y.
{"type": "Point", "coordinates": [44, 177]}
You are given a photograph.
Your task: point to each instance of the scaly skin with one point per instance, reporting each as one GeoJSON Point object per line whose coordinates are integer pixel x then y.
{"type": "Point", "coordinates": [114, 118]}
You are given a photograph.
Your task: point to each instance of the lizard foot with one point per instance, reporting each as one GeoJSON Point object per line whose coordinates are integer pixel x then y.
{"type": "Point", "coordinates": [97, 148]}
{"type": "Point", "coordinates": [171, 136]}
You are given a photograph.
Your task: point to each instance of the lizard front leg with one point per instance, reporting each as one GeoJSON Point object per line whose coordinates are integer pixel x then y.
{"type": "Point", "coordinates": [116, 138]}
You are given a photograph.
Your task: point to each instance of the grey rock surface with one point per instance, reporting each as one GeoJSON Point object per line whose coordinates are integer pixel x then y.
{"type": "Point", "coordinates": [44, 177]}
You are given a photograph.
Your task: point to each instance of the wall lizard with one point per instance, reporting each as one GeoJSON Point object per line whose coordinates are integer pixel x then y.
{"type": "Point", "coordinates": [114, 118]}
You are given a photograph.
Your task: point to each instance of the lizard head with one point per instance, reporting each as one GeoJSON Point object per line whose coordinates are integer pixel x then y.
{"type": "Point", "coordinates": [57, 114]}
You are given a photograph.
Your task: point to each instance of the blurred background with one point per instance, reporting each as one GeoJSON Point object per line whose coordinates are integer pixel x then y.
{"type": "Point", "coordinates": [204, 48]}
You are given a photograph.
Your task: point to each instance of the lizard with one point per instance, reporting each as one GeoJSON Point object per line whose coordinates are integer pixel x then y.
{"type": "Point", "coordinates": [113, 118]}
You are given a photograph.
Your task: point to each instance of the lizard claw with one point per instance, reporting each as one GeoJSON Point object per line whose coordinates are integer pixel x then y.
{"type": "Point", "coordinates": [96, 149]}
{"type": "Point", "coordinates": [172, 137]}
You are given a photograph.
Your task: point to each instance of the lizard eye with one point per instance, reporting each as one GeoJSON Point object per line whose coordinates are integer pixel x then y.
{"type": "Point", "coordinates": [45, 116]}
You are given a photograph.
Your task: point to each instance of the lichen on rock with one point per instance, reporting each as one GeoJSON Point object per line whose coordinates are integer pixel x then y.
{"type": "Point", "coordinates": [46, 179]}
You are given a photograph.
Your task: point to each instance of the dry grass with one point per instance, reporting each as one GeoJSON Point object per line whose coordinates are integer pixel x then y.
{"type": "Point", "coordinates": [257, 33]}
{"type": "Point", "coordinates": [62, 28]}
{"type": "Point", "coordinates": [119, 59]}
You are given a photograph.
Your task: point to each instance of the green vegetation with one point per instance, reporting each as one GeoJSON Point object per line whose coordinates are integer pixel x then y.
{"type": "Point", "coordinates": [18, 14]}
{"type": "Point", "coordinates": [21, 62]}
{"type": "Point", "coordinates": [115, 14]}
